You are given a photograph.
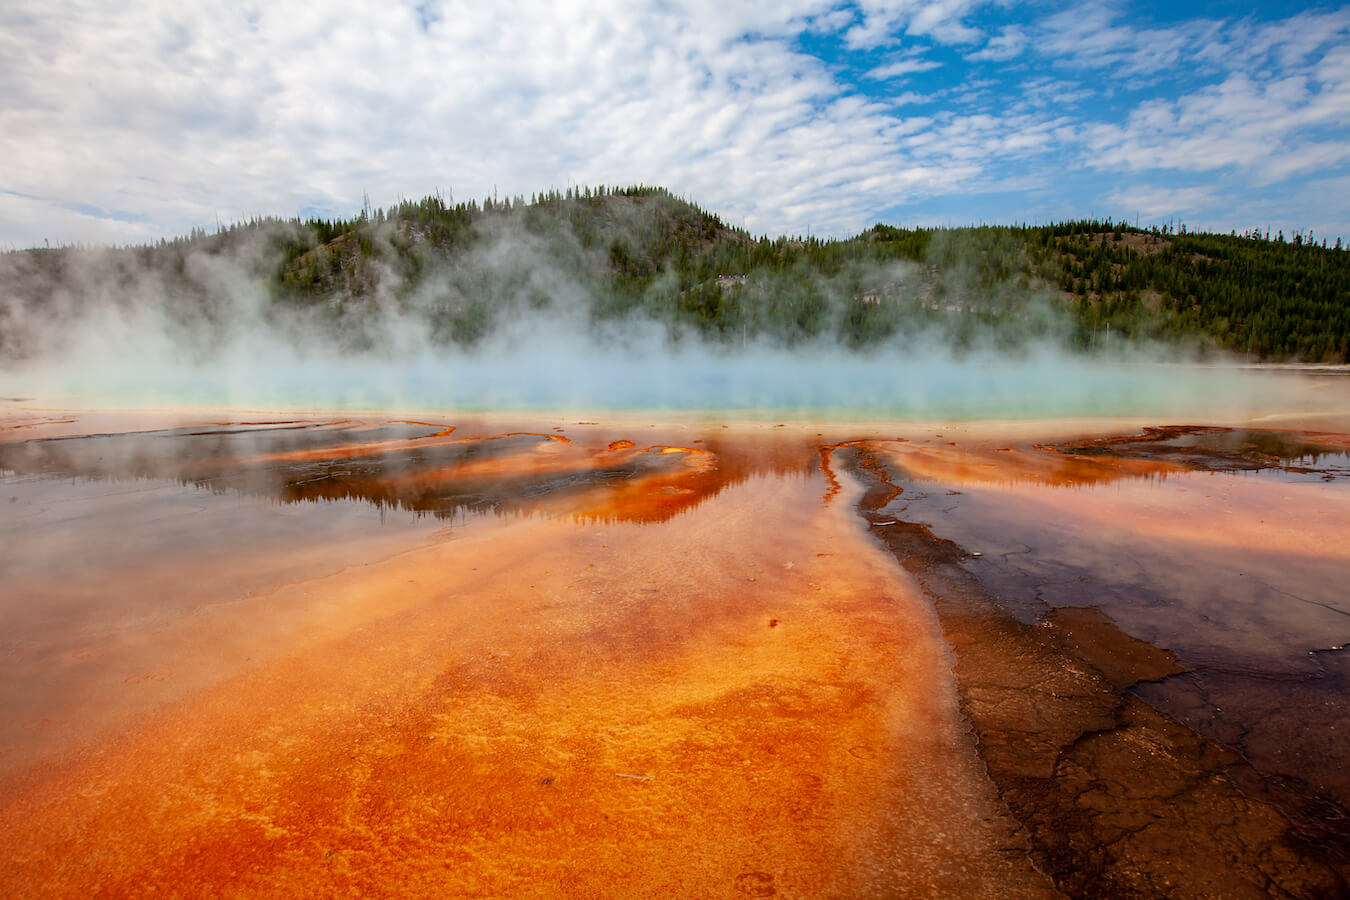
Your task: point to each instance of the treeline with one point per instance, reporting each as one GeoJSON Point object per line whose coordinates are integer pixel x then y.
{"type": "Point", "coordinates": [614, 255]}
{"type": "Point", "coordinates": [1266, 299]}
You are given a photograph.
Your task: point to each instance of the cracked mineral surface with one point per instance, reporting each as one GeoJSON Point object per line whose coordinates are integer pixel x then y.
{"type": "Point", "coordinates": [1229, 780]}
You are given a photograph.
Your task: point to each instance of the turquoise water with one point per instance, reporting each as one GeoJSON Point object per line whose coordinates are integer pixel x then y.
{"type": "Point", "coordinates": [772, 383]}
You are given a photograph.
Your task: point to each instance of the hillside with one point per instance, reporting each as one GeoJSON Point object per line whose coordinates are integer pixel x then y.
{"type": "Point", "coordinates": [609, 257]}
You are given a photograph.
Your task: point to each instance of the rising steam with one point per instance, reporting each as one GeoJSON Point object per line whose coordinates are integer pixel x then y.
{"type": "Point", "coordinates": [519, 322]}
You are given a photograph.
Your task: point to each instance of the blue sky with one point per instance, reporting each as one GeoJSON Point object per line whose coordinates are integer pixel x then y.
{"type": "Point", "coordinates": [124, 123]}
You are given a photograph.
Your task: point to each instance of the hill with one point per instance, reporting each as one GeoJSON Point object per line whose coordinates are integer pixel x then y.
{"type": "Point", "coordinates": [611, 257]}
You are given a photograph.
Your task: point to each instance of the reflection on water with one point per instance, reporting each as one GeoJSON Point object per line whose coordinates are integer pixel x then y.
{"type": "Point", "coordinates": [689, 678]}
{"type": "Point", "coordinates": [1225, 546]}
{"type": "Point", "coordinates": [935, 460]}
{"type": "Point", "coordinates": [1226, 449]}
{"type": "Point", "coordinates": [1153, 454]}
{"type": "Point", "coordinates": [410, 466]}
{"type": "Point", "coordinates": [351, 650]}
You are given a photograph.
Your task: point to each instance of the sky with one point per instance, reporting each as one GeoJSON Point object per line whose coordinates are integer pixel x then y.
{"type": "Point", "coordinates": [124, 123]}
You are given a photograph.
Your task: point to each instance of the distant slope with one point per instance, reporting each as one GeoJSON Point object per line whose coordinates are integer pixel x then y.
{"type": "Point", "coordinates": [609, 257]}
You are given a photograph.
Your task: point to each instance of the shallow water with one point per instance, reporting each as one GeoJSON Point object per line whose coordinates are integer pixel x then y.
{"type": "Point", "coordinates": [293, 661]}
{"type": "Point", "coordinates": [1226, 547]}
{"type": "Point", "coordinates": [292, 655]}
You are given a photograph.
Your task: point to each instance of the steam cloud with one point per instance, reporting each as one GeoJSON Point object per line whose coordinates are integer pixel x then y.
{"type": "Point", "coordinates": [109, 328]}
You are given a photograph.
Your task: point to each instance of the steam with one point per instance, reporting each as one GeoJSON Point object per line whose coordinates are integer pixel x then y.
{"type": "Point", "coordinates": [519, 323]}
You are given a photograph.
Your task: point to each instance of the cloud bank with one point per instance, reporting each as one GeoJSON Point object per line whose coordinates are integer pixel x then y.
{"type": "Point", "coordinates": [141, 120]}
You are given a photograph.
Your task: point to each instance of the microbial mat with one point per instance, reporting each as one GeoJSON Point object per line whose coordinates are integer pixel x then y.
{"type": "Point", "coordinates": [492, 655]}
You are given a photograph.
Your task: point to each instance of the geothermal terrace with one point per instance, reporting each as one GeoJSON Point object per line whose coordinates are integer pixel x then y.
{"type": "Point", "coordinates": [485, 656]}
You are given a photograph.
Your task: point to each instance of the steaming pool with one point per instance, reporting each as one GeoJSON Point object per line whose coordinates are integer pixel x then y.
{"type": "Point", "coordinates": [612, 654]}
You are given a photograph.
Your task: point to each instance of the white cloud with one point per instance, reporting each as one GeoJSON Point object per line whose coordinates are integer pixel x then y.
{"type": "Point", "coordinates": [186, 113]}
{"type": "Point", "coordinates": [1093, 37]}
{"type": "Point", "coordinates": [1044, 91]}
{"type": "Point", "coordinates": [1288, 42]}
{"type": "Point", "coordinates": [901, 67]}
{"type": "Point", "coordinates": [1152, 202]}
{"type": "Point", "coordinates": [129, 122]}
{"type": "Point", "coordinates": [888, 21]}
{"type": "Point", "coordinates": [1008, 44]}
{"type": "Point", "coordinates": [1102, 36]}
{"type": "Point", "coordinates": [1265, 127]}
{"type": "Point", "coordinates": [908, 98]}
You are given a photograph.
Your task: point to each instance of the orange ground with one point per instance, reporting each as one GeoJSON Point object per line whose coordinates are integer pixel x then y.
{"type": "Point", "coordinates": [676, 684]}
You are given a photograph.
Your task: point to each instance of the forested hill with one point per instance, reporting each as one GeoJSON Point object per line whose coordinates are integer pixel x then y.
{"type": "Point", "coordinates": [611, 256]}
